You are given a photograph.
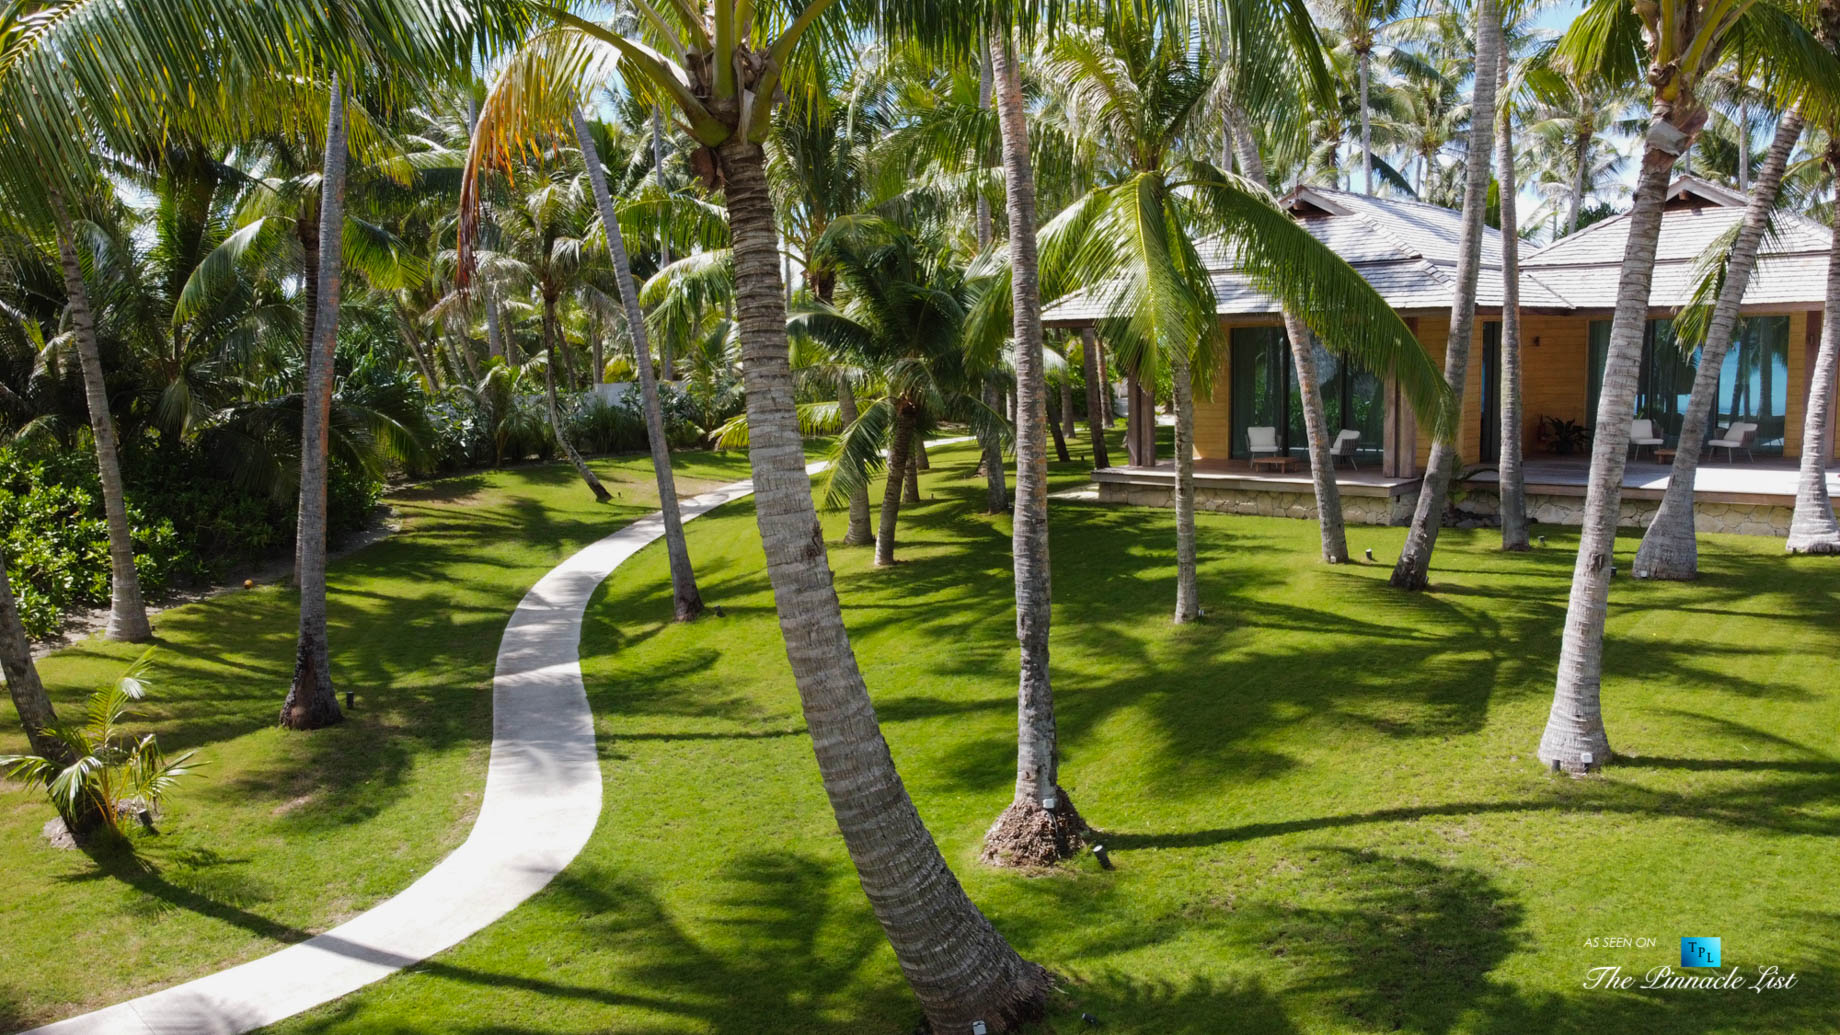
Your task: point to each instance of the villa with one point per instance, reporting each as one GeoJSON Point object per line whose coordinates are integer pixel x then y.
{"type": "Point", "coordinates": [1408, 251]}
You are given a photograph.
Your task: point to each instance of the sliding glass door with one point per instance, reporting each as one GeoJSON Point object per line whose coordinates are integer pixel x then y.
{"type": "Point", "coordinates": [1753, 384]}
{"type": "Point", "coordinates": [1265, 394]}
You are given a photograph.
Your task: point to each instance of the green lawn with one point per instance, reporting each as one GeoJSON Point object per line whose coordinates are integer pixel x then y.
{"type": "Point", "coordinates": [1322, 801]}
{"type": "Point", "coordinates": [284, 835]}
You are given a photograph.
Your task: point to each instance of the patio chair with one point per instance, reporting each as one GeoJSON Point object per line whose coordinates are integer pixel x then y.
{"type": "Point", "coordinates": [1262, 442]}
{"type": "Point", "coordinates": [1343, 448]}
{"type": "Point", "coordinates": [1642, 433]}
{"type": "Point", "coordinates": [1740, 435]}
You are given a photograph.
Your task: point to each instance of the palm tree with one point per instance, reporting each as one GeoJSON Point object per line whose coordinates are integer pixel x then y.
{"type": "Point", "coordinates": [1610, 36]}
{"type": "Point", "coordinates": [127, 612]}
{"type": "Point", "coordinates": [1040, 822]}
{"type": "Point", "coordinates": [687, 602]}
{"type": "Point", "coordinates": [22, 683]}
{"type": "Point", "coordinates": [1568, 156]}
{"type": "Point", "coordinates": [1361, 24]}
{"type": "Point", "coordinates": [721, 75]}
{"type": "Point", "coordinates": [1413, 568]}
{"type": "Point", "coordinates": [903, 318]}
{"type": "Point", "coordinates": [1139, 91]}
{"type": "Point", "coordinates": [1812, 527]}
{"type": "Point", "coordinates": [1670, 549]}
{"type": "Point", "coordinates": [310, 702]}
{"type": "Point", "coordinates": [1512, 484]}
{"type": "Point", "coordinates": [543, 250]}
{"type": "Point", "coordinates": [1096, 402]}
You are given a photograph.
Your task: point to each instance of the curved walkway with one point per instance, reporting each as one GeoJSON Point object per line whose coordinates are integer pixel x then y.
{"type": "Point", "coordinates": [542, 800]}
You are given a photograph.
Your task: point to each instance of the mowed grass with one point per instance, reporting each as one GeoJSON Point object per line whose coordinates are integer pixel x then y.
{"type": "Point", "coordinates": [1322, 801]}
{"type": "Point", "coordinates": [285, 834]}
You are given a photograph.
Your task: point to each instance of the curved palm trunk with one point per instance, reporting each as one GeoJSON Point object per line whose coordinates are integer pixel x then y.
{"type": "Point", "coordinates": [22, 682]}
{"type": "Point", "coordinates": [1512, 482]}
{"type": "Point", "coordinates": [1813, 528]}
{"type": "Point", "coordinates": [310, 703]}
{"type": "Point", "coordinates": [686, 602]}
{"type": "Point", "coordinates": [1040, 825]}
{"type": "Point", "coordinates": [127, 612]}
{"type": "Point", "coordinates": [555, 414]}
{"type": "Point", "coordinates": [996, 497]}
{"type": "Point", "coordinates": [1414, 567]}
{"type": "Point", "coordinates": [900, 446]}
{"type": "Point", "coordinates": [859, 533]}
{"type": "Point", "coordinates": [1303, 355]}
{"type": "Point", "coordinates": [1089, 365]}
{"type": "Point", "coordinates": [961, 969]}
{"type": "Point", "coordinates": [1188, 602]}
{"type": "Point", "coordinates": [664, 240]}
{"type": "Point", "coordinates": [1670, 550]}
{"type": "Point", "coordinates": [1575, 740]}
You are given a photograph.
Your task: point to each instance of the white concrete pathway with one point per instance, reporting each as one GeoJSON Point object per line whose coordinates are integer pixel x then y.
{"type": "Point", "coordinates": [542, 799]}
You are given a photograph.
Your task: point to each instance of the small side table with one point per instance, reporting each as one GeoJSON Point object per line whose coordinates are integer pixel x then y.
{"type": "Point", "coordinates": [1282, 464]}
{"type": "Point", "coordinates": [1664, 456]}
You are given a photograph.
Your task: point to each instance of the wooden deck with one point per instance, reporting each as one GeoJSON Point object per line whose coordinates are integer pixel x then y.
{"type": "Point", "coordinates": [1766, 480]}
{"type": "Point", "coordinates": [1238, 474]}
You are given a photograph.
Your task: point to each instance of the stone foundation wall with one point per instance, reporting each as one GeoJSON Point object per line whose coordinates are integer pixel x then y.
{"type": "Point", "coordinates": [1356, 510]}
{"type": "Point", "coordinates": [1732, 518]}
{"type": "Point", "coordinates": [1472, 506]}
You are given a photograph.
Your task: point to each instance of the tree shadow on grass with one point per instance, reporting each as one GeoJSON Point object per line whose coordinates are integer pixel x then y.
{"type": "Point", "coordinates": [766, 954]}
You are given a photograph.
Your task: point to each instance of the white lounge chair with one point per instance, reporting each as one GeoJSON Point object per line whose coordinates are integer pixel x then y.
{"type": "Point", "coordinates": [1262, 442]}
{"type": "Point", "coordinates": [1740, 435]}
{"type": "Point", "coordinates": [1642, 433]}
{"type": "Point", "coordinates": [1344, 446]}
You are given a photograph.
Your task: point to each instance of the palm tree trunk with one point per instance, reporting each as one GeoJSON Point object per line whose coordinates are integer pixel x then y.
{"type": "Point", "coordinates": [921, 463]}
{"type": "Point", "coordinates": [1068, 428]}
{"type": "Point", "coordinates": [495, 336]}
{"type": "Point", "coordinates": [1670, 550]}
{"type": "Point", "coordinates": [1040, 825]}
{"type": "Point", "coordinates": [1575, 739]}
{"type": "Point", "coordinates": [1367, 152]}
{"type": "Point", "coordinates": [1303, 355]}
{"type": "Point", "coordinates": [1060, 438]}
{"type": "Point", "coordinates": [1089, 365]}
{"type": "Point", "coordinates": [1510, 478]}
{"type": "Point", "coordinates": [958, 965]}
{"type": "Point", "coordinates": [127, 612]}
{"type": "Point", "coordinates": [601, 495]}
{"type": "Point", "coordinates": [900, 445]}
{"type": "Point", "coordinates": [1813, 528]}
{"type": "Point", "coordinates": [1582, 157]}
{"type": "Point", "coordinates": [1188, 603]}
{"type": "Point", "coordinates": [664, 240]}
{"type": "Point", "coordinates": [686, 602]}
{"type": "Point", "coordinates": [310, 702]}
{"type": "Point", "coordinates": [1744, 146]}
{"type": "Point", "coordinates": [996, 496]}
{"type": "Point", "coordinates": [984, 227]}
{"type": "Point", "coordinates": [22, 682]}
{"type": "Point", "coordinates": [911, 480]}
{"type": "Point", "coordinates": [859, 533]}
{"type": "Point", "coordinates": [1413, 570]}
{"type": "Point", "coordinates": [1107, 419]}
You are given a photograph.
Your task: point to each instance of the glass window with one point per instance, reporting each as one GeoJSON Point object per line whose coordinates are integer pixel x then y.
{"type": "Point", "coordinates": [1260, 364]}
{"type": "Point", "coordinates": [1753, 383]}
{"type": "Point", "coordinates": [1265, 394]}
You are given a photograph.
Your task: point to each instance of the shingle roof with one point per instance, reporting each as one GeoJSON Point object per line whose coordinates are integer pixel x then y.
{"type": "Point", "coordinates": [1407, 250]}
